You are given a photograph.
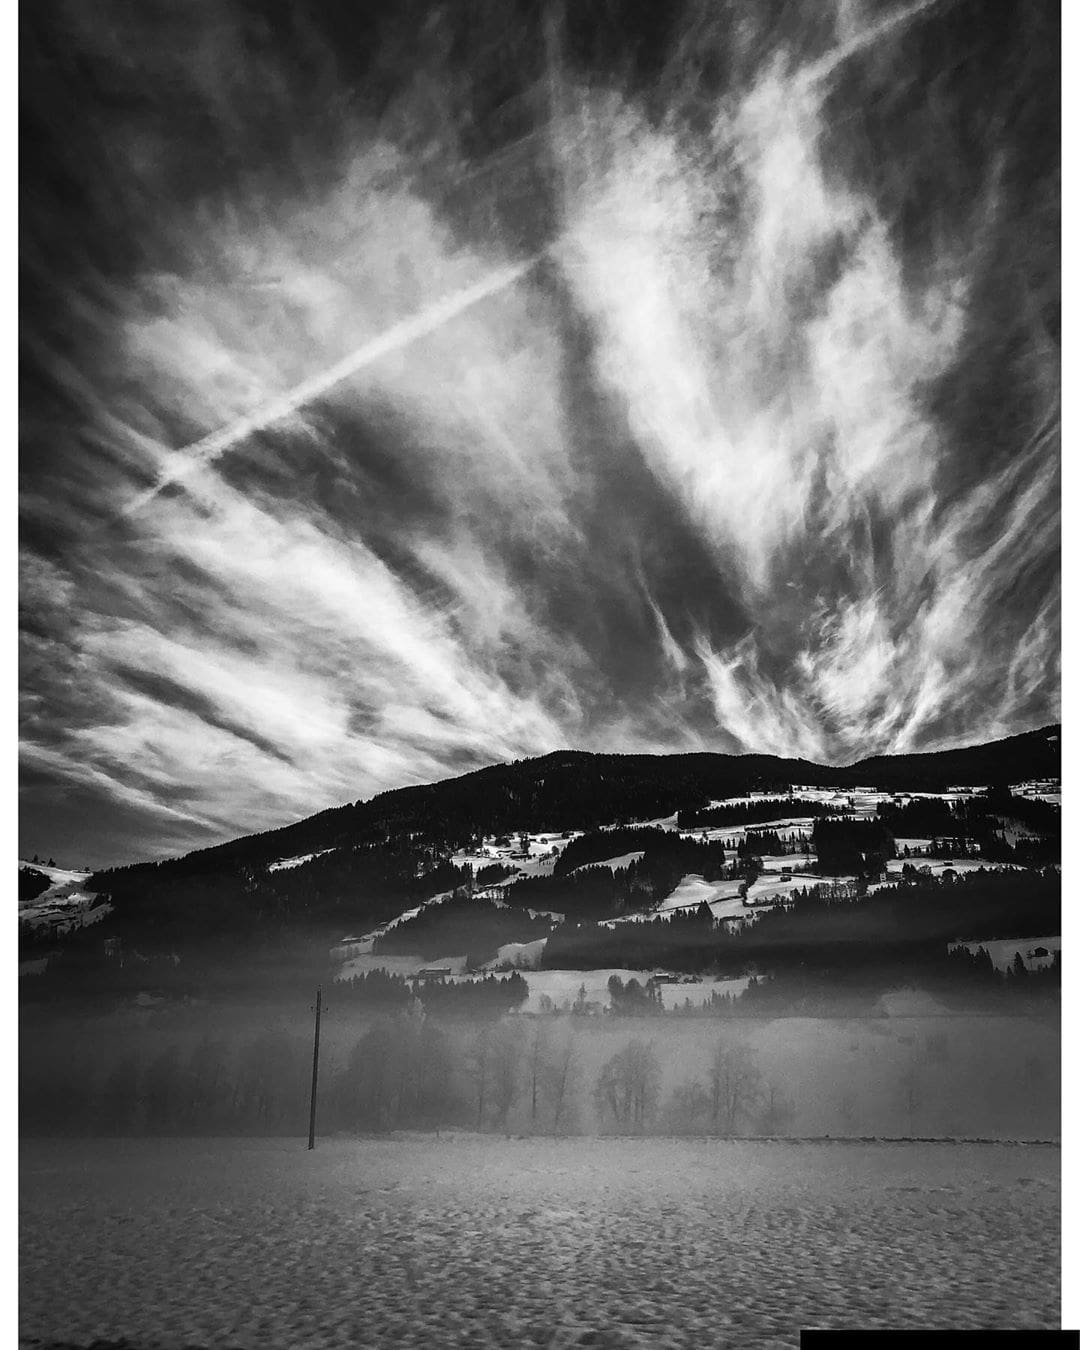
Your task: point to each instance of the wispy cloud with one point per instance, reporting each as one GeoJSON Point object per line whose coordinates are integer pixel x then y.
{"type": "Point", "coordinates": [774, 357]}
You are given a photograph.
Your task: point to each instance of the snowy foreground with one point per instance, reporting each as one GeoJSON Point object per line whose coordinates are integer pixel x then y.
{"type": "Point", "coordinates": [470, 1241]}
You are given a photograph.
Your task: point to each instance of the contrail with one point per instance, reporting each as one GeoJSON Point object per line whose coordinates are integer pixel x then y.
{"type": "Point", "coordinates": [393, 339]}
{"type": "Point", "coordinates": [822, 69]}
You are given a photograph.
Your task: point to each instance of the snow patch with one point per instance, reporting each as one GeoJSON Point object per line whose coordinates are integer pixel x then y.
{"type": "Point", "coordinates": [616, 864]}
{"type": "Point", "coordinates": [284, 864]}
{"type": "Point", "coordinates": [519, 955]}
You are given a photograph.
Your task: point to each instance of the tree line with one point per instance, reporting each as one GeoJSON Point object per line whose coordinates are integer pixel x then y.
{"type": "Point", "coordinates": [905, 926]}
{"type": "Point", "coordinates": [728, 1098]}
{"type": "Point", "coordinates": [596, 845]}
{"type": "Point", "coordinates": [404, 1071]}
{"type": "Point", "coordinates": [980, 821]}
{"type": "Point", "coordinates": [852, 847]}
{"type": "Point", "coordinates": [407, 1070]}
{"type": "Point", "coordinates": [489, 996]}
{"type": "Point", "coordinates": [461, 925]}
{"type": "Point", "coordinates": [769, 844]}
{"type": "Point", "coordinates": [596, 892]}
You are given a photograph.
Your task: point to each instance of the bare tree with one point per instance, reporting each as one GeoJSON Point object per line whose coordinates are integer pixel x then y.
{"type": "Point", "coordinates": [408, 1030]}
{"type": "Point", "coordinates": [911, 1090]}
{"type": "Point", "coordinates": [689, 1108]}
{"type": "Point", "coordinates": [208, 1078]}
{"type": "Point", "coordinates": [562, 1071]}
{"type": "Point", "coordinates": [163, 1091]}
{"type": "Point", "coordinates": [433, 1068]}
{"type": "Point", "coordinates": [368, 1087]}
{"type": "Point", "coordinates": [505, 1069]}
{"type": "Point", "coordinates": [628, 1086]}
{"type": "Point", "coordinates": [778, 1111]}
{"type": "Point", "coordinates": [536, 1065]}
{"type": "Point", "coordinates": [846, 1107]}
{"type": "Point", "coordinates": [478, 1065]}
{"type": "Point", "coordinates": [735, 1090]}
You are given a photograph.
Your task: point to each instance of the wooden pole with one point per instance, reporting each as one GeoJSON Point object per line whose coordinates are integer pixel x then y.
{"type": "Point", "coordinates": [315, 1069]}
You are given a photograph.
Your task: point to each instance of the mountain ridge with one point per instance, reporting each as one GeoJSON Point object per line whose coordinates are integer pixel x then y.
{"type": "Point", "coordinates": [576, 788]}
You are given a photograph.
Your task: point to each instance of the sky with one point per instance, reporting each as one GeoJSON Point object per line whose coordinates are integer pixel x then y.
{"type": "Point", "coordinates": [406, 388]}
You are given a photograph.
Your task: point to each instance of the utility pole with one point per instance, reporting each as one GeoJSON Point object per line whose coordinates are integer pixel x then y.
{"type": "Point", "coordinates": [315, 1069]}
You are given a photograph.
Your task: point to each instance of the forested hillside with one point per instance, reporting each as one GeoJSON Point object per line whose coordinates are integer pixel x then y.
{"type": "Point", "coordinates": [577, 790]}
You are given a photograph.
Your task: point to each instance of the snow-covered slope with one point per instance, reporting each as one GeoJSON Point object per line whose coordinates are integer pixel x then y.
{"type": "Point", "coordinates": [66, 904]}
{"type": "Point", "coordinates": [519, 955]}
{"type": "Point", "coordinates": [615, 864]}
{"type": "Point", "coordinates": [536, 853]}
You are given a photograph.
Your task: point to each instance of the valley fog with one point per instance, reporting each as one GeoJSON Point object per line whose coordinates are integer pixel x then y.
{"type": "Point", "coordinates": [246, 1069]}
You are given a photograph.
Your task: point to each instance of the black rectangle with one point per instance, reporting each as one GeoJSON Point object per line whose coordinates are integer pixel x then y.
{"type": "Point", "coordinates": [1049, 1339]}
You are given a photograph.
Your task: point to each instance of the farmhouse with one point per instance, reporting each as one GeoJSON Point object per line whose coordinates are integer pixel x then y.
{"type": "Point", "coordinates": [497, 893]}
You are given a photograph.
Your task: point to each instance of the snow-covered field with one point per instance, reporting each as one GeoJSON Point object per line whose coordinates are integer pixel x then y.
{"type": "Point", "coordinates": [935, 866]}
{"type": "Point", "coordinates": [694, 890]}
{"type": "Point", "coordinates": [1037, 953]}
{"type": "Point", "coordinates": [563, 987]}
{"type": "Point", "coordinates": [470, 1241]}
{"type": "Point", "coordinates": [723, 897]}
{"type": "Point", "coordinates": [538, 860]}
